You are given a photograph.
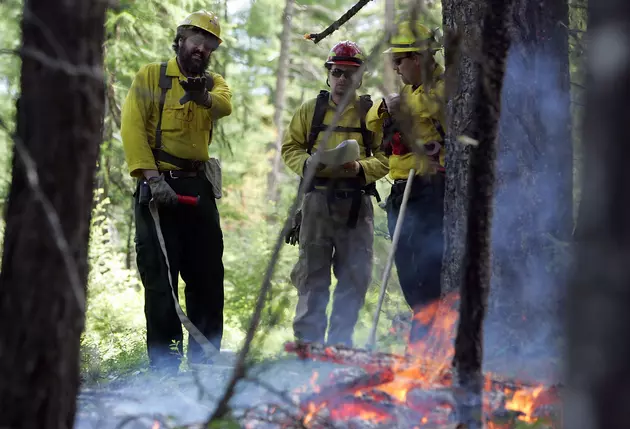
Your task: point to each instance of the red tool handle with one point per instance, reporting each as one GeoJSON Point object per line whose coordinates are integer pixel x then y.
{"type": "Point", "coordinates": [188, 200]}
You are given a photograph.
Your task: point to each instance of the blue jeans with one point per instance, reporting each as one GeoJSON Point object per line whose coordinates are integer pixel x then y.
{"type": "Point", "coordinates": [418, 255]}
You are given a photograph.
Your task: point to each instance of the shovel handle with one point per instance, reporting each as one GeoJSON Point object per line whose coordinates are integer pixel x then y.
{"type": "Point", "coordinates": [188, 200]}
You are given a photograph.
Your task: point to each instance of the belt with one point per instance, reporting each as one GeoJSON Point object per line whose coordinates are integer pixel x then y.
{"type": "Point", "coordinates": [184, 164]}
{"type": "Point", "coordinates": [179, 174]}
{"type": "Point", "coordinates": [432, 179]}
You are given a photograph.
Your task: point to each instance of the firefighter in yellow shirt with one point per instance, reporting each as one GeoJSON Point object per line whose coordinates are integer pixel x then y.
{"type": "Point", "coordinates": [337, 228]}
{"type": "Point", "coordinates": [167, 122]}
{"type": "Point", "coordinates": [418, 256]}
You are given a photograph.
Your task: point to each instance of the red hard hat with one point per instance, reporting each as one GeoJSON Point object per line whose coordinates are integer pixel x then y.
{"type": "Point", "coordinates": [346, 53]}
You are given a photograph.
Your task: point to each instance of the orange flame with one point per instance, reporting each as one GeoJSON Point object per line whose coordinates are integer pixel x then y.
{"type": "Point", "coordinates": [431, 359]}
{"type": "Point", "coordinates": [362, 411]}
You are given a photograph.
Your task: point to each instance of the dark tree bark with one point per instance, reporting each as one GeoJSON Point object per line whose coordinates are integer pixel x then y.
{"type": "Point", "coordinates": [599, 291]}
{"type": "Point", "coordinates": [475, 283]}
{"type": "Point", "coordinates": [44, 267]}
{"type": "Point", "coordinates": [534, 196]}
{"type": "Point", "coordinates": [281, 83]}
{"type": "Point", "coordinates": [461, 20]}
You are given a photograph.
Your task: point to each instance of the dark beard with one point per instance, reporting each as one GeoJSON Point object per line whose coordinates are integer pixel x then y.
{"type": "Point", "coordinates": [192, 66]}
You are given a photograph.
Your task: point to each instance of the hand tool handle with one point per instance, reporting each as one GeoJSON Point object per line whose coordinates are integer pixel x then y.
{"type": "Point", "coordinates": [188, 200]}
{"type": "Point", "coordinates": [371, 343]}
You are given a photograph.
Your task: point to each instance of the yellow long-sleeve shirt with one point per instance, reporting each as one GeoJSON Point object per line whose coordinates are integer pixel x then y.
{"type": "Point", "coordinates": [186, 129]}
{"type": "Point", "coordinates": [425, 107]}
{"type": "Point", "coordinates": [295, 140]}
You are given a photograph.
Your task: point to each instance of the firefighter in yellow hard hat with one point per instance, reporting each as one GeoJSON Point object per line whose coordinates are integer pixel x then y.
{"type": "Point", "coordinates": [167, 123]}
{"type": "Point", "coordinates": [337, 225]}
{"type": "Point", "coordinates": [418, 256]}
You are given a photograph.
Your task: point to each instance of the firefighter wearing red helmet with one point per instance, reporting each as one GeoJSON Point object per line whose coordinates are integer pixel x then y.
{"type": "Point", "coordinates": [335, 227]}
{"type": "Point", "coordinates": [345, 53]}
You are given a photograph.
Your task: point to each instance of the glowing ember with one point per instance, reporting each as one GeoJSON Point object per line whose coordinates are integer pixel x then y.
{"type": "Point", "coordinates": [362, 411]}
{"type": "Point", "coordinates": [524, 401]}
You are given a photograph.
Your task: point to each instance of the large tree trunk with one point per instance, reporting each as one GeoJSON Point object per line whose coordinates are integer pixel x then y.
{"type": "Point", "coordinates": [534, 181]}
{"type": "Point", "coordinates": [599, 291]}
{"type": "Point", "coordinates": [281, 83]}
{"type": "Point", "coordinates": [476, 258]}
{"type": "Point", "coordinates": [461, 20]}
{"type": "Point", "coordinates": [44, 267]}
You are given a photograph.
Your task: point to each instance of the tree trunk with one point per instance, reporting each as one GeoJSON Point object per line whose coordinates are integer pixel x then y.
{"type": "Point", "coordinates": [273, 193]}
{"type": "Point", "coordinates": [44, 266]}
{"type": "Point", "coordinates": [534, 180]}
{"type": "Point", "coordinates": [461, 20]}
{"type": "Point", "coordinates": [476, 269]}
{"type": "Point", "coordinates": [599, 290]}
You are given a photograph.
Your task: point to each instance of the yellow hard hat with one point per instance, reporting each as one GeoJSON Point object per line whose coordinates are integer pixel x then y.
{"type": "Point", "coordinates": [405, 41]}
{"type": "Point", "coordinates": [207, 21]}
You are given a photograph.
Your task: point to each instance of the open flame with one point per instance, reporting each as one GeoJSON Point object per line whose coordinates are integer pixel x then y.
{"type": "Point", "coordinates": [417, 380]}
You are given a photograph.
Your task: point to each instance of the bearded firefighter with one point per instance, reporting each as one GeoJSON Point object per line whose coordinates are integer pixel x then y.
{"type": "Point", "coordinates": [415, 116]}
{"type": "Point", "coordinates": [337, 225]}
{"type": "Point", "coordinates": [167, 122]}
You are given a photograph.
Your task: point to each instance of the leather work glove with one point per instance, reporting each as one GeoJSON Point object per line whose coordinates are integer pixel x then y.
{"type": "Point", "coordinates": [196, 91]}
{"type": "Point", "coordinates": [161, 191]}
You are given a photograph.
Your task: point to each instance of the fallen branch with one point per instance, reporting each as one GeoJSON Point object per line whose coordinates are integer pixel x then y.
{"type": "Point", "coordinates": [318, 37]}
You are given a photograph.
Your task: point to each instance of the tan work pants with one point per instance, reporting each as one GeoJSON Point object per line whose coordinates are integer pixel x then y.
{"type": "Point", "coordinates": [326, 241]}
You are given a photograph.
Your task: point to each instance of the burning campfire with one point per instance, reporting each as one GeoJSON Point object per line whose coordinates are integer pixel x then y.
{"type": "Point", "coordinates": [415, 390]}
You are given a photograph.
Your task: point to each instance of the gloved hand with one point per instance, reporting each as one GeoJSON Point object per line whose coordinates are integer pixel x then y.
{"type": "Point", "coordinates": [293, 236]}
{"type": "Point", "coordinates": [196, 91]}
{"type": "Point", "coordinates": [161, 191]}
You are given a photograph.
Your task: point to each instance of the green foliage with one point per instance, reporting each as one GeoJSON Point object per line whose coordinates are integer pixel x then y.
{"type": "Point", "coordinates": [141, 32]}
{"type": "Point", "coordinates": [111, 342]}
{"type": "Point", "coordinates": [10, 16]}
{"type": "Point", "coordinates": [225, 423]}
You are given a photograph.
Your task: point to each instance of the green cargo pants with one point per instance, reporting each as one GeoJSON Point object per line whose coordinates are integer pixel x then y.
{"type": "Point", "coordinates": [326, 241]}
{"type": "Point", "coordinates": [194, 244]}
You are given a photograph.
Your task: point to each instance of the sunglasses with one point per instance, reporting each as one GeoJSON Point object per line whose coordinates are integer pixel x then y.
{"type": "Point", "coordinates": [197, 39]}
{"type": "Point", "coordinates": [347, 73]}
{"type": "Point", "coordinates": [397, 61]}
